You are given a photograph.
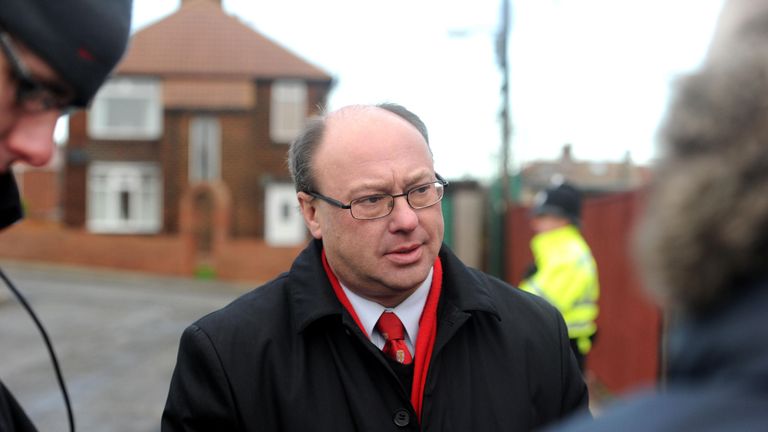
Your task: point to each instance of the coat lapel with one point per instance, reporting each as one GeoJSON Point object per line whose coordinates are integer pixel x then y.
{"type": "Point", "coordinates": [464, 293]}
{"type": "Point", "coordinates": [310, 293]}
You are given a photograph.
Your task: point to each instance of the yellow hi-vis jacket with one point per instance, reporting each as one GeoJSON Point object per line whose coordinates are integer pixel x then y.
{"type": "Point", "coordinates": [566, 276]}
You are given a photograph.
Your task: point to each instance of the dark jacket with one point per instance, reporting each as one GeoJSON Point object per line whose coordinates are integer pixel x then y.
{"type": "Point", "coordinates": [12, 416]}
{"type": "Point", "coordinates": [718, 377]}
{"type": "Point", "coordinates": [288, 357]}
{"type": "Point", "coordinates": [10, 202]}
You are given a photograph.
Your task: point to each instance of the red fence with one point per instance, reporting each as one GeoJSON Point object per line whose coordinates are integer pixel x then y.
{"type": "Point", "coordinates": [627, 348]}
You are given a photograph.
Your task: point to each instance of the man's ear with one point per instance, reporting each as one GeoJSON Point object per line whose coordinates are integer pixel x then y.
{"type": "Point", "coordinates": [310, 213]}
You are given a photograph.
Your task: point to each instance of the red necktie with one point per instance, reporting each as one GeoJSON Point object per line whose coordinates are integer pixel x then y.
{"type": "Point", "coordinates": [390, 326]}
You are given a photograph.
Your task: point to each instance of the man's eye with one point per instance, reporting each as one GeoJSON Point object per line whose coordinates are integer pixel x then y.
{"type": "Point", "coordinates": [421, 189]}
{"type": "Point", "coordinates": [370, 200]}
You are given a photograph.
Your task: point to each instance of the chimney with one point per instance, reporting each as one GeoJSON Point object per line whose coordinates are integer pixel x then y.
{"type": "Point", "coordinates": [567, 155]}
{"type": "Point", "coordinates": [184, 2]}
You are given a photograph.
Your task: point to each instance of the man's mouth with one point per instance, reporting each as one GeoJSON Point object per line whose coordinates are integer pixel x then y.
{"type": "Point", "coordinates": [405, 254]}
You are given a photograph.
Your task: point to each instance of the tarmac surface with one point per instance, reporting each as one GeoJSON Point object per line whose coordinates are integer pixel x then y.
{"type": "Point", "coordinates": [115, 334]}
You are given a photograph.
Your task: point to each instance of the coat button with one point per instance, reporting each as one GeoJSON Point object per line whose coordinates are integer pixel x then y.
{"type": "Point", "coordinates": [402, 418]}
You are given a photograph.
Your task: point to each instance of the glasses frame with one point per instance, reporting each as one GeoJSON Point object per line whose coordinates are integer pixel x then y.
{"type": "Point", "coordinates": [33, 96]}
{"type": "Point", "coordinates": [336, 203]}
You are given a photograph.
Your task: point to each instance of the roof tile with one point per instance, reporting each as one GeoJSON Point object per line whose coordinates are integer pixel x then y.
{"type": "Point", "coordinates": [201, 39]}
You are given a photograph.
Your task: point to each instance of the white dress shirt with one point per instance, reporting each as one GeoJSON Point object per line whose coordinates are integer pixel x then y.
{"type": "Point", "coordinates": [409, 312]}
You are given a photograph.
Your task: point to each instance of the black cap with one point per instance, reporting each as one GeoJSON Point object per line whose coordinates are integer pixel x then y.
{"type": "Point", "coordinates": [563, 200]}
{"type": "Point", "coordinates": [82, 40]}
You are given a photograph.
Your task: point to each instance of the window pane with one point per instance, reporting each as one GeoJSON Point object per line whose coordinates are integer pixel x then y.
{"type": "Point", "coordinates": [288, 110]}
{"type": "Point", "coordinates": [125, 205]}
{"type": "Point", "coordinates": [284, 224]}
{"type": "Point", "coordinates": [124, 197]}
{"type": "Point", "coordinates": [204, 148]}
{"type": "Point", "coordinates": [127, 113]}
{"type": "Point", "coordinates": [127, 108]}
{"type": "Point", "coordinates": [98, 198]}
{"type": "Point", "coordinates": [148, 199]}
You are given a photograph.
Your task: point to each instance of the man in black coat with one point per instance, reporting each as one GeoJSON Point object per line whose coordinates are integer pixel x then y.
{"type": "Point", "coordinates": [703, 243]}
{"type": "Point", "coordinates": [54, 55]}
{"type": "Point", "coordinates": [377, 326]}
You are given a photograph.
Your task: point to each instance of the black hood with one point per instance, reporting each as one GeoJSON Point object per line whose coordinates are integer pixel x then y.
{"type": "Point", "coordinates": [10, 201]}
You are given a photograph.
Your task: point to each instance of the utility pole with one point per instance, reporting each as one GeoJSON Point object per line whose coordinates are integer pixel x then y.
{"type": "Point", "coordinates": [498, 228]}
{"type": "Point", "coordinates": [501, 53]}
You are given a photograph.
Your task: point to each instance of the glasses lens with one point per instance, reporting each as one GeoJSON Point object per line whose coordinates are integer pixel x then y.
{"type": "Point", "coordinates": [425, 195]}
{"type": "Point", "coordinates": [372, 207]}
{"type": "Point", "coordinates": [33, 97]}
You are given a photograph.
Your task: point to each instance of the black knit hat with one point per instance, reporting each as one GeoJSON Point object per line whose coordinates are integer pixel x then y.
{"type": "Point", "coordinates": [81, 39]}
{"type": "Point", "coordinates": [563, 200]}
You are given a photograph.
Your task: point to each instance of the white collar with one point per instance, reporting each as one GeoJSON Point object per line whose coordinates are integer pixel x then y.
{"type": "Point", "coordinates": [409, 312]}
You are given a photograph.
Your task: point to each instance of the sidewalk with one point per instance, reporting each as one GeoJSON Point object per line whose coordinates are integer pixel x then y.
{"type": "Point", "coordinates": [116, 336]}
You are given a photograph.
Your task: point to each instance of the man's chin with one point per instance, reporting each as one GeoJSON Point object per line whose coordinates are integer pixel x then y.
{"type": "Point", "coordinates": [407, 279]}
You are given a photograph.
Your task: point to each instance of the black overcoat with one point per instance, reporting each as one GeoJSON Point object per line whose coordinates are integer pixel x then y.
{"type": "Point", "coordinates": [288, 357]}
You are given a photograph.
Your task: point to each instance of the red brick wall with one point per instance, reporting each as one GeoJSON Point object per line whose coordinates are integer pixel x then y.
{"type": "Point", "coordinates": [174, 157]}
{"type": "Point", "coordinates": [239, 260]}
{"type": "Point", "coordinates": [74, 195]}
{"type": "Point", "coordinates": [40, 191]}
{"type": "Point", "coordinates": [245, 157]}
{"type": "Point", "coordinates": [51, 243]}
{"type": "Point", "coordinates": [245, 260]}
{"type": "Point", "coordinates": [251, 159]}
{"type": "Point", "coordinates": [73, 176]}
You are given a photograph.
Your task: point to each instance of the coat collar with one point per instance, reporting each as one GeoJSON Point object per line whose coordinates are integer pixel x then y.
{"type": "Point", "coordinates": [312, 298]}
{"type": "Point", "coordinates": [464, 289]}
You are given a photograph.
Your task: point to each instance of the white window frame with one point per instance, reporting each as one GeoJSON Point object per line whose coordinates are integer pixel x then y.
{"type": "Point", "coordinates": [138, 182]}
{"type": "Point", "coordinates": [288, 110]}
{"type": "Point", "coordinates": [283, 222]}
{"type": "Point", "coordinates": [128, 89]}
{"type": "Point", "coordinates": [204, 138]}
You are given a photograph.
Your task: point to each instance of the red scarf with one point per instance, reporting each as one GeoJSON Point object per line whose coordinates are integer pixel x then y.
{"type": "Point", "coordinates": [425, 342]}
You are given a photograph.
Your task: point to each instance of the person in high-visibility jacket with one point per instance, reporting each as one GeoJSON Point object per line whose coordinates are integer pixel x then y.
{"type": "Point", "coordinates": [564, 273]}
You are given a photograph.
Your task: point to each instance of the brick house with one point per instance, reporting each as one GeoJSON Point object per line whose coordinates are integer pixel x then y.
{"type": "Point", "coordinates": [592, 177]}
{"type": "Point", "coordinates": [191, 133]}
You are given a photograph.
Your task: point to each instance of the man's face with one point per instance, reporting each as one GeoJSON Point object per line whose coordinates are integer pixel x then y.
{"type": "Point", "coordinates": [369, 151]}
{"type": "Point", "coordinates": [25, 136]}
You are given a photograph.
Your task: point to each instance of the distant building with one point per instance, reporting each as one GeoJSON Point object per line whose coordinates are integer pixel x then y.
{"type": "Point", "coordinates": [593, 178]}
{"type": "Point", "coordinates": [191, 134]}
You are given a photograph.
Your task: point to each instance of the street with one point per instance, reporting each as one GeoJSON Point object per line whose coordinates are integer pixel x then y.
{"type": "Point", "coordinates": [115, 335]}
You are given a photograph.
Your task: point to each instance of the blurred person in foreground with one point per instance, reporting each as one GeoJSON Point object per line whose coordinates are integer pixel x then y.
{"type": "Point", "coordinates": [564, 273]}
{"type": "Point", "coordinates": [54, 55]}
{"type": "Point", "coordinates": [703, 242]}
{"type": "Point", "coordinates": [377, 326]}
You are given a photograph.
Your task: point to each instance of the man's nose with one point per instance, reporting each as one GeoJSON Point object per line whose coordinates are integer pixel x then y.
{"type": "Point", "coordinates": [403, 216]}
{"type": "Point", "coordinates": [31, 137]}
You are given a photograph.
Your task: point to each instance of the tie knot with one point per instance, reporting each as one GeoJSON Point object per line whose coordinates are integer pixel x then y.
{"type": "Point", "coordinates": [390, 326]}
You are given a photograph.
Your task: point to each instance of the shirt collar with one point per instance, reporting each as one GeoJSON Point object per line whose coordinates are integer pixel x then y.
{"type": "Point", "coordinates": [409, 311]}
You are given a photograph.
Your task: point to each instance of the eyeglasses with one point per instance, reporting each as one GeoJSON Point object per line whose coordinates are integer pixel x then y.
{"type": "Point", "coordinates": [33, 96]}
{"type": "Point", "coordinates": [381, 205]}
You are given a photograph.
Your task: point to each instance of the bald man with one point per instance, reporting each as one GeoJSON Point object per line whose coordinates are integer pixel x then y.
{"type": "Point", "coordinates": [378, 325]}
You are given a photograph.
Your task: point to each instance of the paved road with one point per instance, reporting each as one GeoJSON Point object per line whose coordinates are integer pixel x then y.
{"type": "Point", "coordinates": [116, 336]}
